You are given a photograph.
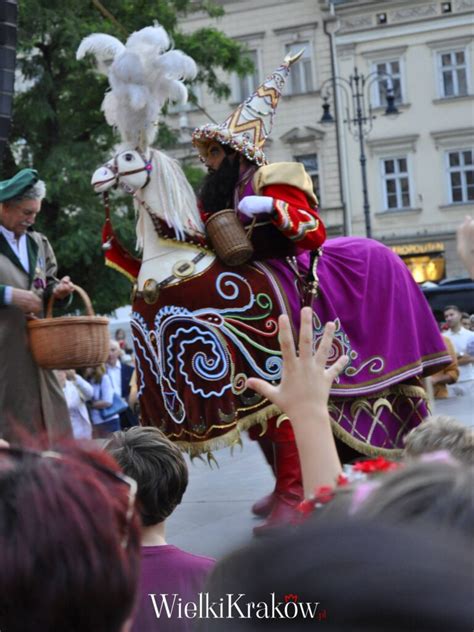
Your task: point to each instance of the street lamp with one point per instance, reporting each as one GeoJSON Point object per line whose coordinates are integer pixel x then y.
{"type": "Point", "coordinates": [359, 116]}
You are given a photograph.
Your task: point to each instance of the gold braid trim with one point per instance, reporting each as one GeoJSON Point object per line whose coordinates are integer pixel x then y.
{"type": "Point", "coordinates": [360, 446]}
{"type": "Point", "coordinates": [365, 448]}
{"type": "Point", "coordinates": [232, 437]}
{"type": "Point", "coordinates": [118, 268]}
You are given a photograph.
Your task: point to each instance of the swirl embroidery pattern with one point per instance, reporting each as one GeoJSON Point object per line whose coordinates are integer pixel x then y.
{"type": "Point", "coordinates": [201, 348]}
{"type": "Point", "coordinates": [342, 346]}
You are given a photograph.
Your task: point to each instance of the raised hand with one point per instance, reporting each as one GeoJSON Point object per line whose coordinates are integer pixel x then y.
{"type": "Point", "coordinates": [305, 383]}
{"type": "Point", "coordinates": [303, 395]}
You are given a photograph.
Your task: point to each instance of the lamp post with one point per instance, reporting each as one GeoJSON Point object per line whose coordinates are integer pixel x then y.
{"type": "Point", "coordinates": [359, 116]}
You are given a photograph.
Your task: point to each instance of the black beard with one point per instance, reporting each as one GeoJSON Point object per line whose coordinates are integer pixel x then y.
{"type": "Point", "coordinates": [217, 190]}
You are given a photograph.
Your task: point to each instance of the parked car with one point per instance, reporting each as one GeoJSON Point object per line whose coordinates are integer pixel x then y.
{"type": "Point", "coordinates": [458, 291]}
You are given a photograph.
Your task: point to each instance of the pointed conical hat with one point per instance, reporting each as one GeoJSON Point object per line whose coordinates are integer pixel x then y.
{"type": "Point", "coordinates": [249, 126]}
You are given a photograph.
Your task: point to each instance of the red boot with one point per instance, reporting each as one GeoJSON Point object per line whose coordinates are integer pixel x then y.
{"type": "Point", "coordinates": [263, 507]}
{"type": "Point", "coordinates": [288, 490]}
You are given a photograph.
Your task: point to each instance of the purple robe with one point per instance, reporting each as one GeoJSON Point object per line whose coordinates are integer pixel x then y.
{"type": "Point", "coordinates": [204, 336]}
{"type": "Point", "coordinates": [386, 327]}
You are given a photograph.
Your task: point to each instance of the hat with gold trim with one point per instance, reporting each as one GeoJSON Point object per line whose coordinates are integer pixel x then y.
{"type": "Point", "coordinates": [18, 184]}
{"type": "Point", "coordinates": [249, 126]}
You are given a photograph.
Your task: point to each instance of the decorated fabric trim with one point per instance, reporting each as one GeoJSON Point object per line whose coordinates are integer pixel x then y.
{"type": "Point", "coordinates": [203, 135]}
{"type": "Point", "coordinates": [117, 256]}
{"type": "Point", "coordinates": [291, 174]}
{"type": "Point", "coordinates": [295, 228]}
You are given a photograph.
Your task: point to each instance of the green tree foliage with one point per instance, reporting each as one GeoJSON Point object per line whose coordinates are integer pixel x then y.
{"type": "Point", "coordinates": [59, 129]}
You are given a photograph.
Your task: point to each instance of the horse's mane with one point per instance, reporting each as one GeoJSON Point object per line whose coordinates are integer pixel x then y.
{"type": "Point", "coordinates": [170, 197]}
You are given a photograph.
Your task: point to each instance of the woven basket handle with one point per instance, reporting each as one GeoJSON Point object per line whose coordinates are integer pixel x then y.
{"type": "Point", "coordinates": [250, 227]}
{"type": "Point", "coordinates": [85, 298]}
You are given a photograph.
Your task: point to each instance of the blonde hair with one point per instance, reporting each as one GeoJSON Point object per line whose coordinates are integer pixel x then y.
{"type": "Point", "coordinates": [98, 373]}
{"type": "Point", "coordinates": [441, 433]}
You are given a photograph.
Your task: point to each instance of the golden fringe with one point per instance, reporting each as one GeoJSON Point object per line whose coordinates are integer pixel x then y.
{"type": "Point", "coordinates": [232, 438]}
{"type": "Point", "coordinates": [118, 268]}
{"type": "Point", "coordinates": [360, 446]}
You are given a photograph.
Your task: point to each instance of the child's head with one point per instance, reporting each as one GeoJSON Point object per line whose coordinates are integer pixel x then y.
{"type": "Point", "coordinates": [441, 433]}
{"type": "Point", "coordinates": [157, 465]}
{"type": "Point", "coordinates": [70, 540]}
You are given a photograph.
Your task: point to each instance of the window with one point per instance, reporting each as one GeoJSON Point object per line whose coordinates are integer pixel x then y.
{"type": "Point", "coordinates": [396, 183]}
{"type": "Point", "coordinates": [310, 163]}
{"type": "Point", "coordinates": [452, 73]}
{"type": "Point", "coordinates": [243, 87]}
{"type": "Point", "coordinates": [301, 75]}
{"type": "Point", "coordinates": [460, 175]}
{"type": "Point", "coordinates": [392, 68]}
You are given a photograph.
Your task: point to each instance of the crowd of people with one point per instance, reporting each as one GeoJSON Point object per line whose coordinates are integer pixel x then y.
{"type": "Point", "coordinates": [99, 401]}
{"type": "Point", "coordinates": [369, 544]}
{"type": "Point", "coordinates": [92, 521]}
{"type": "Point", "coordinates": [380, 544]}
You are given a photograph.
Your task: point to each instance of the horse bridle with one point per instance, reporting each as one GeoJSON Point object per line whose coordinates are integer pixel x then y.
{"type": "Point", "coordinates": [147, 166]}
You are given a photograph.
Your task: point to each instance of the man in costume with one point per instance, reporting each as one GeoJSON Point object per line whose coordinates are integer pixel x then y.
{"type": "Point", "coordinates": [374, 409]}
{"type": "Point", "coordinates": [31, 399]}
{"type": "Point", "coordinates": [201, 327]}
{"type": "Point", "coordinates": [281, 199]}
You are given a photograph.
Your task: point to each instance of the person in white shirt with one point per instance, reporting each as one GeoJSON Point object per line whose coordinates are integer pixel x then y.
{"type": "Point", "coordinates": [463, 342]}
{"type": "Point", "coordinates": [102, 398]}
{"type": "Point", "coordinates": [77, 391]}
{"type": "Point", "coordinates": [120, 375]}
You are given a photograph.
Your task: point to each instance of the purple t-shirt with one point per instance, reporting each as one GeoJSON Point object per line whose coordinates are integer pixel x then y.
{"type": "Point", "coordinates": [173, 578]}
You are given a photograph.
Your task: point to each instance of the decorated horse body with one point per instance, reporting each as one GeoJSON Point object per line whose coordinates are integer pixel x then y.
{"type": "Point", "coordinates": [202, 328]}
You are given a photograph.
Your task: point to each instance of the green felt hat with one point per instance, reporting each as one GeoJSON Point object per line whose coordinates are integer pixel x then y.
{"type": "Point", "coordinates": [18, 184]}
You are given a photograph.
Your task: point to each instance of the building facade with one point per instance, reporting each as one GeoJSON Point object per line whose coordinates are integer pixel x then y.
{"type": "Point", "coordinates": [420, 173]}
{"type": "Point", "coordinates": [271, 29]}
{"type": "Point", "coordinates": [419, 164]}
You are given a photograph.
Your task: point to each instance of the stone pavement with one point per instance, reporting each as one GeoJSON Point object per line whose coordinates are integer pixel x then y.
{"type": "Point", "coordinates": [461, 408]}
{"type": "Point", "coordinates": [214, 517]}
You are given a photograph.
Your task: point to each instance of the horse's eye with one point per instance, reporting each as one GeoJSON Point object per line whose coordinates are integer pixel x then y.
{"type": "Point", "coordinates": [128, 157]}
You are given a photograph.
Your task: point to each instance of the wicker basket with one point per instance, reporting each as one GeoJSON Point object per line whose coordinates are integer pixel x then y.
{"type": "Point", "coordinates": [69, 342]}
{"type": "Point", "coordinates": [229, 238]}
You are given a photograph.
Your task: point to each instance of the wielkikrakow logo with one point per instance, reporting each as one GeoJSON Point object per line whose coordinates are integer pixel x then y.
{"type": "Point", "coordinates": [235, 606]}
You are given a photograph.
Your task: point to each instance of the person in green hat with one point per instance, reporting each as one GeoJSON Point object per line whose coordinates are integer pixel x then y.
{"type": "Point", "coordinates": [31, 399]}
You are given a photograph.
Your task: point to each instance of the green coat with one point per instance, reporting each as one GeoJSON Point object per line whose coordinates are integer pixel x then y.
{"type": "Point", "coordinates": [30, 398]}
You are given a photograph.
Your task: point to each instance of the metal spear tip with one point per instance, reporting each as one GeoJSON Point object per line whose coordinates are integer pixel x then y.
{"type": "Point", "coordinates": [290, 59]}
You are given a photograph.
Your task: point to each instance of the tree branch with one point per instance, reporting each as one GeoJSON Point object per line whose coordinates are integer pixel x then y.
{"type": "Point", "coordinates": [106, 13]}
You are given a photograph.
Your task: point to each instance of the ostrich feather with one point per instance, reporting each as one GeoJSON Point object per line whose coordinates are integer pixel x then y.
{"type": "Point", "coordinates": [105, 49]}
{"type": "Point", "coordinates": [152, 36]}
{"type": "Point", "coordinates": [177, 65]}
{"type": "Point", "coordinates": [143, 75]}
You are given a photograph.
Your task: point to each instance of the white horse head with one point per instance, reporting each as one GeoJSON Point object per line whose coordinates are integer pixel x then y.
{"type": "Point", "coordinates": [159, 188]}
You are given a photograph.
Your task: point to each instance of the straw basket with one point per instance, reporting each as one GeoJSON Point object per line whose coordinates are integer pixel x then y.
{"type": "Point", "coordinates": [229, 238]}
{"type": "Point", "coordinates": [69, 342]}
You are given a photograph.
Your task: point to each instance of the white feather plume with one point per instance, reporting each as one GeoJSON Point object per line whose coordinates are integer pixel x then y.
{"type": "Point", "coordinates": [105, 49]}
{"type": "Point", "coordinates": [153, 36]}
{"type": "Point", "coordinates": [143, 75]}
